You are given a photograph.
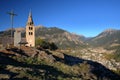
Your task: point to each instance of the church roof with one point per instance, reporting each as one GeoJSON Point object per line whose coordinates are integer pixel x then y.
{"type": "Point", "coordinates": [30, 20]}
{"type": "Point", "coordinates": [23, 41]}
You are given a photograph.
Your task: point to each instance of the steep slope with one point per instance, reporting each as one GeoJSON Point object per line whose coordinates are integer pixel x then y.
{"type": "Point", "coordinates": [60, 37]}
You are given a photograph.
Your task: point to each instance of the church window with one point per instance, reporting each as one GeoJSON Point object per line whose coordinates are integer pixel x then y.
{"type": "Point", "coordinates": [29, 28]}
{"type": "Point", "coordinates": [29, 33]}
{"type": "Point", "coordinates": [31, 23]}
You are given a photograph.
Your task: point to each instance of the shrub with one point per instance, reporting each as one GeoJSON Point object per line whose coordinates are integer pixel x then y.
{"type": "Point", "coordinates": [53, 46]}
{"type": "Point", "coordinates": [85, 71]}
{"type": "Point", "coordinates": [45, 45]}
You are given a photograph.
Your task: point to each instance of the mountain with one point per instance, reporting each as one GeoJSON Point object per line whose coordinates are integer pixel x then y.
{"type": "Point", "coordinates": [60, 37]}
{"type": "Point", "coordinates": [107, 38]}
{"type": "Point", "coordinates": [8, 32]}
{"type": "Point", "coordinates": [63, 39]}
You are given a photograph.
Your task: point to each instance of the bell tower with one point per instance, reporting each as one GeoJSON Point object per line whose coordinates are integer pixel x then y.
{"type": "Point", "coordinates": [30, 31]}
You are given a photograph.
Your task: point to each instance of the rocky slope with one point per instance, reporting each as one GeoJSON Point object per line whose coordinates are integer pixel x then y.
{"type": "Point", "coordinates": [100, 55]}
{"type": "Point", "coordinates": [34, 64]}
{"type": "Point", "coordinates": [60, 37]}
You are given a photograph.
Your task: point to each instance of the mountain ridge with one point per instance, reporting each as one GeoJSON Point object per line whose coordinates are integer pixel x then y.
{"type": "Point", "coordinates": [62, 38]}
{"type": "Point", "coordinates": [106, 38]}
{"type": "Point", "coordinates": [65, 39]}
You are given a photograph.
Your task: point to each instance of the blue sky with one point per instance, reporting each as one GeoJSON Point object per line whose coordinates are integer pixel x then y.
{"type": "Point", "coordinates": [84, 17]}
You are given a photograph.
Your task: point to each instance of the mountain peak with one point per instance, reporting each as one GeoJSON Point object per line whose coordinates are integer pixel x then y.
{"type": "Point", "coordinates": [107, 38]}
{"type": "Point", "coordinates": [110, 30]}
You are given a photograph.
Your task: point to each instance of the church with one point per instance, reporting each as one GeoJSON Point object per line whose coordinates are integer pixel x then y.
{"type": "Point", "coordinates": [17, 40]}
{"type": "Point", "coordinates": [30, 34]}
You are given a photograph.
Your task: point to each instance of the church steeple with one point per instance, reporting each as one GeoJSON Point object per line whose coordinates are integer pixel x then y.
{"type": "Point", "coordinates": [30, 20]}
{"type": "Point", "coordinates": [30, 31]}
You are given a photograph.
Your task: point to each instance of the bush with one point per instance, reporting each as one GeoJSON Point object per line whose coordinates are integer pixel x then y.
{"type": "Point", "coordinates": [45, 45]}
{"type": "Point", "coordinates": [42, 43]}
{"type": "Point", "coordinates": [53, 46]}
{"type": "Point", "coordinates": [85, 71]}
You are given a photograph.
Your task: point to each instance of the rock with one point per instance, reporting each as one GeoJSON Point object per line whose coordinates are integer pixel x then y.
{"type": "Point", "coordinates": [4, 76]}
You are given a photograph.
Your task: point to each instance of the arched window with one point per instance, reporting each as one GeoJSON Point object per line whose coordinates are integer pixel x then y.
{"type": "Point", "coordinates": [29, 28]}
{"type": "Point", "coordinates": [29, 33]}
